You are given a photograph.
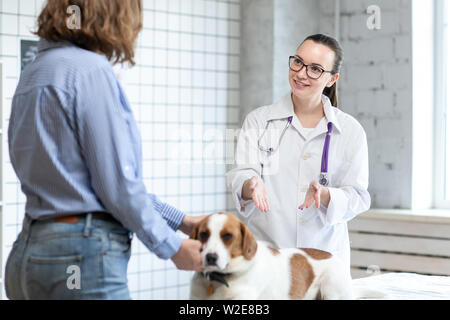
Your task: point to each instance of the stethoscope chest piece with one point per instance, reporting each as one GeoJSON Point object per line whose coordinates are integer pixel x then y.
{"type": "Point", "coordinates": [323, 180]}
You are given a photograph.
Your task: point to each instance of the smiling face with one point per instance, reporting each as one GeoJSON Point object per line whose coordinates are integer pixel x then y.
{"type": "Point", "coordinates": [316, 55]}
{"type": "Point", "coordinates": [227, 242]}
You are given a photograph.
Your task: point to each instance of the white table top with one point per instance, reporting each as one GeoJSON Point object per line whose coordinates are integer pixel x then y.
{"type": "Point", "coordinates": [408, 286]}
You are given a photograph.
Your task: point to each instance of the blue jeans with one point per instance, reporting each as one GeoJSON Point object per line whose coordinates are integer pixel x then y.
{"type": "Point", "coordinates": [53, 260]}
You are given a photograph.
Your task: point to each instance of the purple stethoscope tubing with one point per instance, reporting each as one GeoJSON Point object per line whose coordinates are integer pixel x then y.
{"type": "Point", "coordinates": [323, 180]}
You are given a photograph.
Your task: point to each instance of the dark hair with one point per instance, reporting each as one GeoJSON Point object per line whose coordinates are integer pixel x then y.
{"type": "Point", "coordinates": [334, 45]}
{"type": "Point", "coordinates": [109, 27]}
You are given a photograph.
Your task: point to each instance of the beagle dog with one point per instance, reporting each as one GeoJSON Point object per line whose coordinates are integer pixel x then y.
{"type": "Point", "coordinates": [236, 266]}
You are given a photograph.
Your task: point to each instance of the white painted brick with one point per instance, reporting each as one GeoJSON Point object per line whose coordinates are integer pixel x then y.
{"type": "Point", "coordinates": [403, 101]}
{"type": "Point", "coordinates": [351, 7]}
{"type": "Point", "coordinates": [397, 76]}
{"type": "Point", "coordinates": [375, 103]}
{"type": "Point", "coordinates": [371, 50]}
{"type": "Point", "coordinates": [327, 7]}
{"type": "Point", "coordinates": [365, 77]}
{"type": "Point", "coordinates": [403, 47]}
{"type": "Point", "coordinates": [327, 25]}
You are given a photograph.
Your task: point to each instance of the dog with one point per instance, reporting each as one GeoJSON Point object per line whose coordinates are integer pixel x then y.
{"type": "Point", "coordinates": [238, 267]}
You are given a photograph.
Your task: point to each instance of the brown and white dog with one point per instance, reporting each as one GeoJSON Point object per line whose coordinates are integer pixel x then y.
{"type": "Point", "coordinates": [236, 266]}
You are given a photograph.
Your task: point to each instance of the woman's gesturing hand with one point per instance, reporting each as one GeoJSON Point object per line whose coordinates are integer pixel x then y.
{"type": "Point", "coordinates": [255, 189]}
{"type": "Point", "coordinates": [316, 194]}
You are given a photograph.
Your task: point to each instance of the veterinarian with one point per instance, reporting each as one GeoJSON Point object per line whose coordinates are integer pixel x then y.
{"type": "Point", "coordinates": [75, 147]}
{"type": "Point", "coordinates": [301, 168]}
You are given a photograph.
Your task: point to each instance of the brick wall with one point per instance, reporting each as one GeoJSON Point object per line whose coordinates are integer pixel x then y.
{"type": "Point", "coordinates": [376, 88]}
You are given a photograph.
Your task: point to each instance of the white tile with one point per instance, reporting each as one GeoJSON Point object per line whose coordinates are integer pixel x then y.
{"type": "Point", "coordinates": [172, 280]}
{"type": "Point", "coordinates": [185, 80]}
{"type": "Point", "coordinates": [200, 81]}
{"type": "Point", "coordinates": [27, 7]}
{"type": "Point", "coordinates": [146, 95]}
{"type": "Point", "coordinates": [173, 171]}
{"type": "Point", "coordinates": [198, 25]}
{"type": "Point", "coordinates": [222, 27]}
{"type": "Point", "coordinates": [10, 87]}
{"type": "Point", "coordinates": [210, 8]}
{"type": "Point", "coordinates": [10, 46]}
{"type": "Point", "coordinates": [173, 40]}
{"type": "Point", "coordinates": [160, 58]}
{"type": "Point", "coordinates": [211, 26]}
{"type": "Point", "coordinates": [145, 282]}
{"type": "Point", "coordinates": [197, 203]}
{"type": "Point", "coordinates": [198, 42]}
{"type": "Point", "coordinates": [161, 5]}
{"type": "Point", "coordinates": [186, 7]}
{"type": "Point", "coordinates": [10, 235]}
{"type": "Point", "coordinates": [27, 25]}
{"type": "Point", "coordinates": [173, 59]}
{"type": "Point", "coordinates": [173, 22]}
{"type": "Point", "coordinates": [9, 24]}
{"type": "Point", "coordinates": [39, 6]}
{"type": "Point", "coordinates": [11, 67]}
{"type": "Point", "coordinates": [160, 76]}
{"type": "Point", "coordinates": [222, 10]}
{"type": "Point", "coordinates": [198, 7]}
{"type": "Point", "coordinates": [210, 203]}
{"type": "Point", "coordinates": [160, 40]}
{"type": "Point", "coordinates": [160, 95]}
{"type": "Point", "coordinates": [210, 79]}
{"type": "Point", "coordinates": [210, 96]}
{"type": "Point", "coordinates": [9, 6]}
{"type": "Point", "coordinates": [149, 4]}
{"type": "Point", "coordinates": [161, 19]}
{"type": "Point", "coordinates": [186, 41]}
{"type": "Point", "coordinates": [174, 5]}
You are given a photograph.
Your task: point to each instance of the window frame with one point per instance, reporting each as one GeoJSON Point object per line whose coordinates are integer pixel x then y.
{"type": "Point", "coordinates": [442, 17]}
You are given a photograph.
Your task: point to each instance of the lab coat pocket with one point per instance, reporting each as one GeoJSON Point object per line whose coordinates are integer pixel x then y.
{"type": "Point", "coordinates": [308, 214]}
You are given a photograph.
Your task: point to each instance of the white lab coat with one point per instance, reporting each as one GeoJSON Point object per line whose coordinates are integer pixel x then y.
{"type": "Point", "coordinates": [288, 172]}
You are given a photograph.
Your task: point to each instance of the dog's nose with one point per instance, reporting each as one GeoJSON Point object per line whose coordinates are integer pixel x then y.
{"type": "Point", "coordinates": [211, 259]}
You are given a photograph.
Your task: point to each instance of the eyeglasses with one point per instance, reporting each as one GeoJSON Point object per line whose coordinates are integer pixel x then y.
{"type": "Point", "coordinates": [313, 71]}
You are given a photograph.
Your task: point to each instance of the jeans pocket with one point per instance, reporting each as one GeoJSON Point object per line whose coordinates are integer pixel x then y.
{"type": "Point", "coordinates": [54, 277]}
{"type": "Point", "coordinates": [119, 243]}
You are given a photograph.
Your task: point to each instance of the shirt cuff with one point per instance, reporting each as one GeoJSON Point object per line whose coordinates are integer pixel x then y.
{"type": "Point", "coordinates": [244, 207]}
{"type": "Point", "coordinates": [337, 207]}
{"type": "Point", "coordinates": [166, 248]}
{"type": "Point", "coordinates": [173, 216]}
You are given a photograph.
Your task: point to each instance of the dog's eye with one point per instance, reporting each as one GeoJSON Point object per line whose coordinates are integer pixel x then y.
{"type": "Point", "coordinates": [204, 235]}
{"type": "Point", "coordinates": [227, 236]}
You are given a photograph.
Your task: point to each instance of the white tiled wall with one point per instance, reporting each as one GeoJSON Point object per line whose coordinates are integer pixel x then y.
{"type": "Point", "coordinates": [184, 92]}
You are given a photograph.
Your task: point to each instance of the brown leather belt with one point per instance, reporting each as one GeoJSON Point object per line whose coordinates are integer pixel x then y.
{"type": "Point", "coordinates": [75, 218]}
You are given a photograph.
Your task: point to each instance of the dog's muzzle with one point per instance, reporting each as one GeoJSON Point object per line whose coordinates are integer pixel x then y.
{"type": "Point", "coordinates": [211, 259]}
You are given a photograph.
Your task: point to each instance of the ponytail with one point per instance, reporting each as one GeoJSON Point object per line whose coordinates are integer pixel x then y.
{"type": "Point", "coordinates": [332, 94]}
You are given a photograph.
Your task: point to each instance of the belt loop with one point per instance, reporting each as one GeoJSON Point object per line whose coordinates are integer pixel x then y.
{"type": "Point", "coordinates": [87, 226]}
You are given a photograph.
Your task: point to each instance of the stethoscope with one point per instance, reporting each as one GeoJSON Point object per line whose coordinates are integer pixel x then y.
{"type": "Point", "coordinates": [323, 179]}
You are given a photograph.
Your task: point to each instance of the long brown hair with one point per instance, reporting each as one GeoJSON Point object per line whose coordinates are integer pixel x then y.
{"type": "Point", "coordinates": [109, 27]}
{"type": "Point", "coordinates": [334, 45]}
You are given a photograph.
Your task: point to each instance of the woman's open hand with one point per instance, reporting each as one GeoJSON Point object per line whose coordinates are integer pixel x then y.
{"type": "Point", "coordinates": [315, 195]}
{"type": "Point", "coordinates": [255, 189]}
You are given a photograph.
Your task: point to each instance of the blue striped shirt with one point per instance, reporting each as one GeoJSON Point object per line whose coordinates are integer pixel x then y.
{"type": "Point", "coordinates": [75, 146]}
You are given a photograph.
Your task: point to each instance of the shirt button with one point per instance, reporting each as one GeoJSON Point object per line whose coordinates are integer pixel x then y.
{"type": "Point", "coordinates": [306, 156]}
{"type": "Point", "coordinates": [304, 188]}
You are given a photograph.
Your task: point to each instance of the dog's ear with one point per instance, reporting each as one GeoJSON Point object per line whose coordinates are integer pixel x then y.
{"type": "Point", "coordinates": [249, 244]}
{"type": "Point", "coordinates": [194, 233]}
